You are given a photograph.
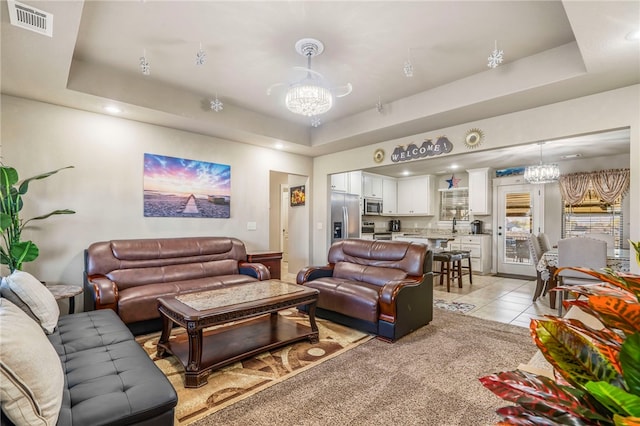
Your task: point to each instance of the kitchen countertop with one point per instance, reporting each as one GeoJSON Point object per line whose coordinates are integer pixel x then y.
{"type": "Point", "coordinates": [437, 236]}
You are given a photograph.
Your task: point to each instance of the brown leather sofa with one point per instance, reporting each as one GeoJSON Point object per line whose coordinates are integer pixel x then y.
{"type": "Point", "coordinates": [128, 276]}
{"type": "Point", "coordinates": [381, 287]}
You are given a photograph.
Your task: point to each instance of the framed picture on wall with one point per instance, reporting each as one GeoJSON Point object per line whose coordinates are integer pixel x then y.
{"type": "Point", "coordinates": [177, 187]}
{"type": "Point", "coordinates": [297, 196]}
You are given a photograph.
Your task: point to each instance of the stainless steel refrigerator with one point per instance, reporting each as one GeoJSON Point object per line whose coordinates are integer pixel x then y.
{"type": "Point", "coordinates": [345, 216]}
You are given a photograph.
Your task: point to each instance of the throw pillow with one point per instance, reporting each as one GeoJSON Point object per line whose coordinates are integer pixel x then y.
{"type": "Point", "coordinates": [31, 376]}
{"type": "Point", "coordinates": [36, 296]}
{"type": "Point", "coordinates": [7, 293]}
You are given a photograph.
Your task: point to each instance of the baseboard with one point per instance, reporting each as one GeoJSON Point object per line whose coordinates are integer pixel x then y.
{"type": "Point", "coordinates": [516, 276]}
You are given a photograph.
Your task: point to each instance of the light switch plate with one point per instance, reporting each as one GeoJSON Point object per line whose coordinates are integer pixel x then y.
{"type": "Point", "coordinates": [251, 226]}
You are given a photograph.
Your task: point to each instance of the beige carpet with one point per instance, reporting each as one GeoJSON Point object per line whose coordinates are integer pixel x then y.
{"type": "Point", "coordinates": [429, 377]}
{"type": "Point", "coordinates": [243, 379]}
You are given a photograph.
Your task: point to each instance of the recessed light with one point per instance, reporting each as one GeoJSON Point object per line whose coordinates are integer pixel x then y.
{"type": "Point", "coordinates": [568, 156]}
{"type": "Point", "coordinates": [454, 166]}
{"type": "Point", "coordinates": [112, 109]}
{"type": "Point", "coordinates": [633, 35]}
{"type": "Point", "coordinates": [279, 145]}
{"type": "Point", "coordinates": [406, 173]}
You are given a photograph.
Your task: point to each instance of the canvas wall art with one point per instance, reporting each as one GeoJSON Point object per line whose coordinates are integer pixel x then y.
{"type": "Point", "coordinates": [177, 187]}
{"type": "Point", "coordinates": [511, 171]}
{"type": "Point", "coordinates": [298, 196]}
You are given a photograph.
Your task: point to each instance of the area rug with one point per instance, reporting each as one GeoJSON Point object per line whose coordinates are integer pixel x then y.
{"type": "Point", "coordinates": [243, 379]}
{"type": "Point", "coordinates": [429, 377]}
{"type": "Point", "coordinates": [459, 307]}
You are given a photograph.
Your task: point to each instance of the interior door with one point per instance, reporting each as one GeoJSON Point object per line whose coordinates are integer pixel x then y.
{"type": "Point", "coordinates": [284, 222]}
{"type": "Point", "coordinates": [519, 214]}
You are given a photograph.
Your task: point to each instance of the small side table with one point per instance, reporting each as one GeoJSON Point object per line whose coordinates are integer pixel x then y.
{"type": "Point", "coordinates": [70, 292]}
{"type": "Point", "coordinates": [270, 259]}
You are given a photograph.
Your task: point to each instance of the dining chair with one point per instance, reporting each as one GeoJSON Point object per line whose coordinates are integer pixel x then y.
{"type": "Point", "coordinates": [579, 251]}
{"type": "Point", "coordinates": [608, 238]}
{"type": "Point", "coordinates": [545, 245]}
{"type": "Point", "coordinates": [535, 251]}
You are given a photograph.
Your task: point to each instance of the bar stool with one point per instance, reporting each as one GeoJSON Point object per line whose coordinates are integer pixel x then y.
{"type": "Point", "coordinates": [466, 254]}
{"type": "Point", "coordinates": [450, 266]}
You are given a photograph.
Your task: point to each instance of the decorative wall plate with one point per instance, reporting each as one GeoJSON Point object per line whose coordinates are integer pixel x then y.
{"type": "Point", "coordinates": [378, 155]}
{"type": "Point", "coordinates": [473, 138]}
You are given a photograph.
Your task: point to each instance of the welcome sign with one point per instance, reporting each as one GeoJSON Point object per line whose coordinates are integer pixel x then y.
{"type": "Point", "coordinates": [427, 149]}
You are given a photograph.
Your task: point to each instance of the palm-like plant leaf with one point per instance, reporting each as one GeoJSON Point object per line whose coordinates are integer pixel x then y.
{"type": "Point", "coordinates": [626, 421]}
{"type": "Point", "coordinates": [615, 399]}
{"type": "Point", "coordinates": [24, 186]}
{"type": "Point", "coordinates": [600, 290]}
{"type": "Point", "coordinates": [516, 415]}
{"type": "Point", "coordinates": [630, 362]}
{"type": "Point", "coordinates": [585, 307]}
{"type": "Point", "coordinates": [636, 247]}
{"type": "Point", "coordinates": [606, 341]}
{"type": "Point", "coordinates": [13, 251]}
{"type": "Point", "coordinates": [629, 282]}
{"type": "Point", "coordinates": [617, 313]}
{"type": "Point", "coordinates": [615, 308]}
{"type": "Point", "coordinates": [543, 397]}
{"type": "Point", "coordinates": [603, 335]}
{"type": "Point", "coordinates": [573, 355]}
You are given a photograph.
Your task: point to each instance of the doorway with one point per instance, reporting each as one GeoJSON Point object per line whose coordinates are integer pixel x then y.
{"type": "Point", "coordinates": [284, 223]}
{"type": "Point", "coordinates": [519, 214]}
{"type": "Point", "coordinates": [289, 225]}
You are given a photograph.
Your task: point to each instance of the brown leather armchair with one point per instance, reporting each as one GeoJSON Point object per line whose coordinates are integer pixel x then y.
{"type": "Point", "coordinates": [380, 287]}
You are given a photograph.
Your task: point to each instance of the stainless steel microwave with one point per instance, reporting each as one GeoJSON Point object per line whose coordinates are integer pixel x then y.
{"type": "Point", "coordinates": [372, 206]}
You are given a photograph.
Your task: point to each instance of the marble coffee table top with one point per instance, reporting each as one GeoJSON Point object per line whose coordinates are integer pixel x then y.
{"type": "Point", "coordinates": [233, 295]}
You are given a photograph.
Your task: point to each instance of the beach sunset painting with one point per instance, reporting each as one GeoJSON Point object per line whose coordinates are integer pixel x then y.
{"type": "Point", "coordinates": [177, 187]}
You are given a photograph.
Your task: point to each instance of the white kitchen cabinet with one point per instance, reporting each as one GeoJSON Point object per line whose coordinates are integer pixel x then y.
{"type": "Point", "coordinates": [415, 196]}
{"type": "Point", "coordinates": [480, 248]}
{"type": "Point", "coordinates": [339, 182]}
{"type": "Point", "coordinates": [371, 185]}
{"type": "Point", "coordinates": [389, 196]}
{"type": "Point", "coordinates": [355, 183]}
{"type": "Point", "coordinates": [350, 182]}
{"type": "Point", "coordinates": [479, 191]}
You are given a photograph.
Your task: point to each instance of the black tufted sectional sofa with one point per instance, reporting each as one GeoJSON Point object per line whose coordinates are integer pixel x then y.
{"type": "Point", "coordinates": [109, 378]}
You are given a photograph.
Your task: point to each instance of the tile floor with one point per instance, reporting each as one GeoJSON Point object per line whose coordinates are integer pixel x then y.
{"type": "Point", "coordinates": [499, 299]}
{"type": "Point", "coordinates": [495, 298]}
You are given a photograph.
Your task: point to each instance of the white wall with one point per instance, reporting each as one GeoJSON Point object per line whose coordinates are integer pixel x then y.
{"type": "Point", "coordinates": [604, 111]}
{"type": "Point", "coordinates": [105, 187]}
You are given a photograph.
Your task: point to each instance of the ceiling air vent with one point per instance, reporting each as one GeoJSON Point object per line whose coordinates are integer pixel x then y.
{"type": "Point", "coordinates": [30, 18]}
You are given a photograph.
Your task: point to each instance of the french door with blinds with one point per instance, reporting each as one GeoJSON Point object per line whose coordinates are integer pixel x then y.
{"type": "Point", "coordinates": [520, 210]}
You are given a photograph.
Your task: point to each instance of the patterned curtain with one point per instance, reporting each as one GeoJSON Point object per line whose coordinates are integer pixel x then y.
{"type": "Point", "coordinates": [574, 187]}
{"type": "Point", "coordinates": [610, 184]}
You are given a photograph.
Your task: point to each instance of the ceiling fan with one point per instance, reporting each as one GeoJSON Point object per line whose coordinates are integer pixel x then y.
{"type": "Point", "coordinates": [312, 95]}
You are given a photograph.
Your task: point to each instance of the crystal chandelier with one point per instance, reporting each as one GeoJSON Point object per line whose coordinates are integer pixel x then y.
{"type": "Point", "coordinates": [542, 173]}
{"type": "Point", "coordinates": [310, 96]}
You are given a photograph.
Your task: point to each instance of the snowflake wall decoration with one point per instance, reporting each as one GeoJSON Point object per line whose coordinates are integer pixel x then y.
{"type": "Point", "coordinates": [216, 105]}
{"type": "Point", "coordinates": [201, 56]}
{"type": "Point", "coordinates": [315, 121]}
{"type": "Point", "coordinates": [379, 106]}
{"type": "Point", "coordinates": [496, 57]}
{"type": "Point", "coordinates": [145, 68]}
{"type": "Point", "coordinates": [408, 68]}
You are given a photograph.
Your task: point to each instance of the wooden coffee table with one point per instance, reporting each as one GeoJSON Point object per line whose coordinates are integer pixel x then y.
{"type": "Point", "coordinates": [257, 327]}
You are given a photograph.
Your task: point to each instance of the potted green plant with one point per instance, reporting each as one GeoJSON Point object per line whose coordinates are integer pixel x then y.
{"type": "Point", "coordinates": [13, 250]}
{"type": "Point", "coordinates": [597, 371]}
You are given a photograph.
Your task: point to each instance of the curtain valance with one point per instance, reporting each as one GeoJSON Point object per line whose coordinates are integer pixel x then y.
{"type": "Point", "coordinates": [609, 185]}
